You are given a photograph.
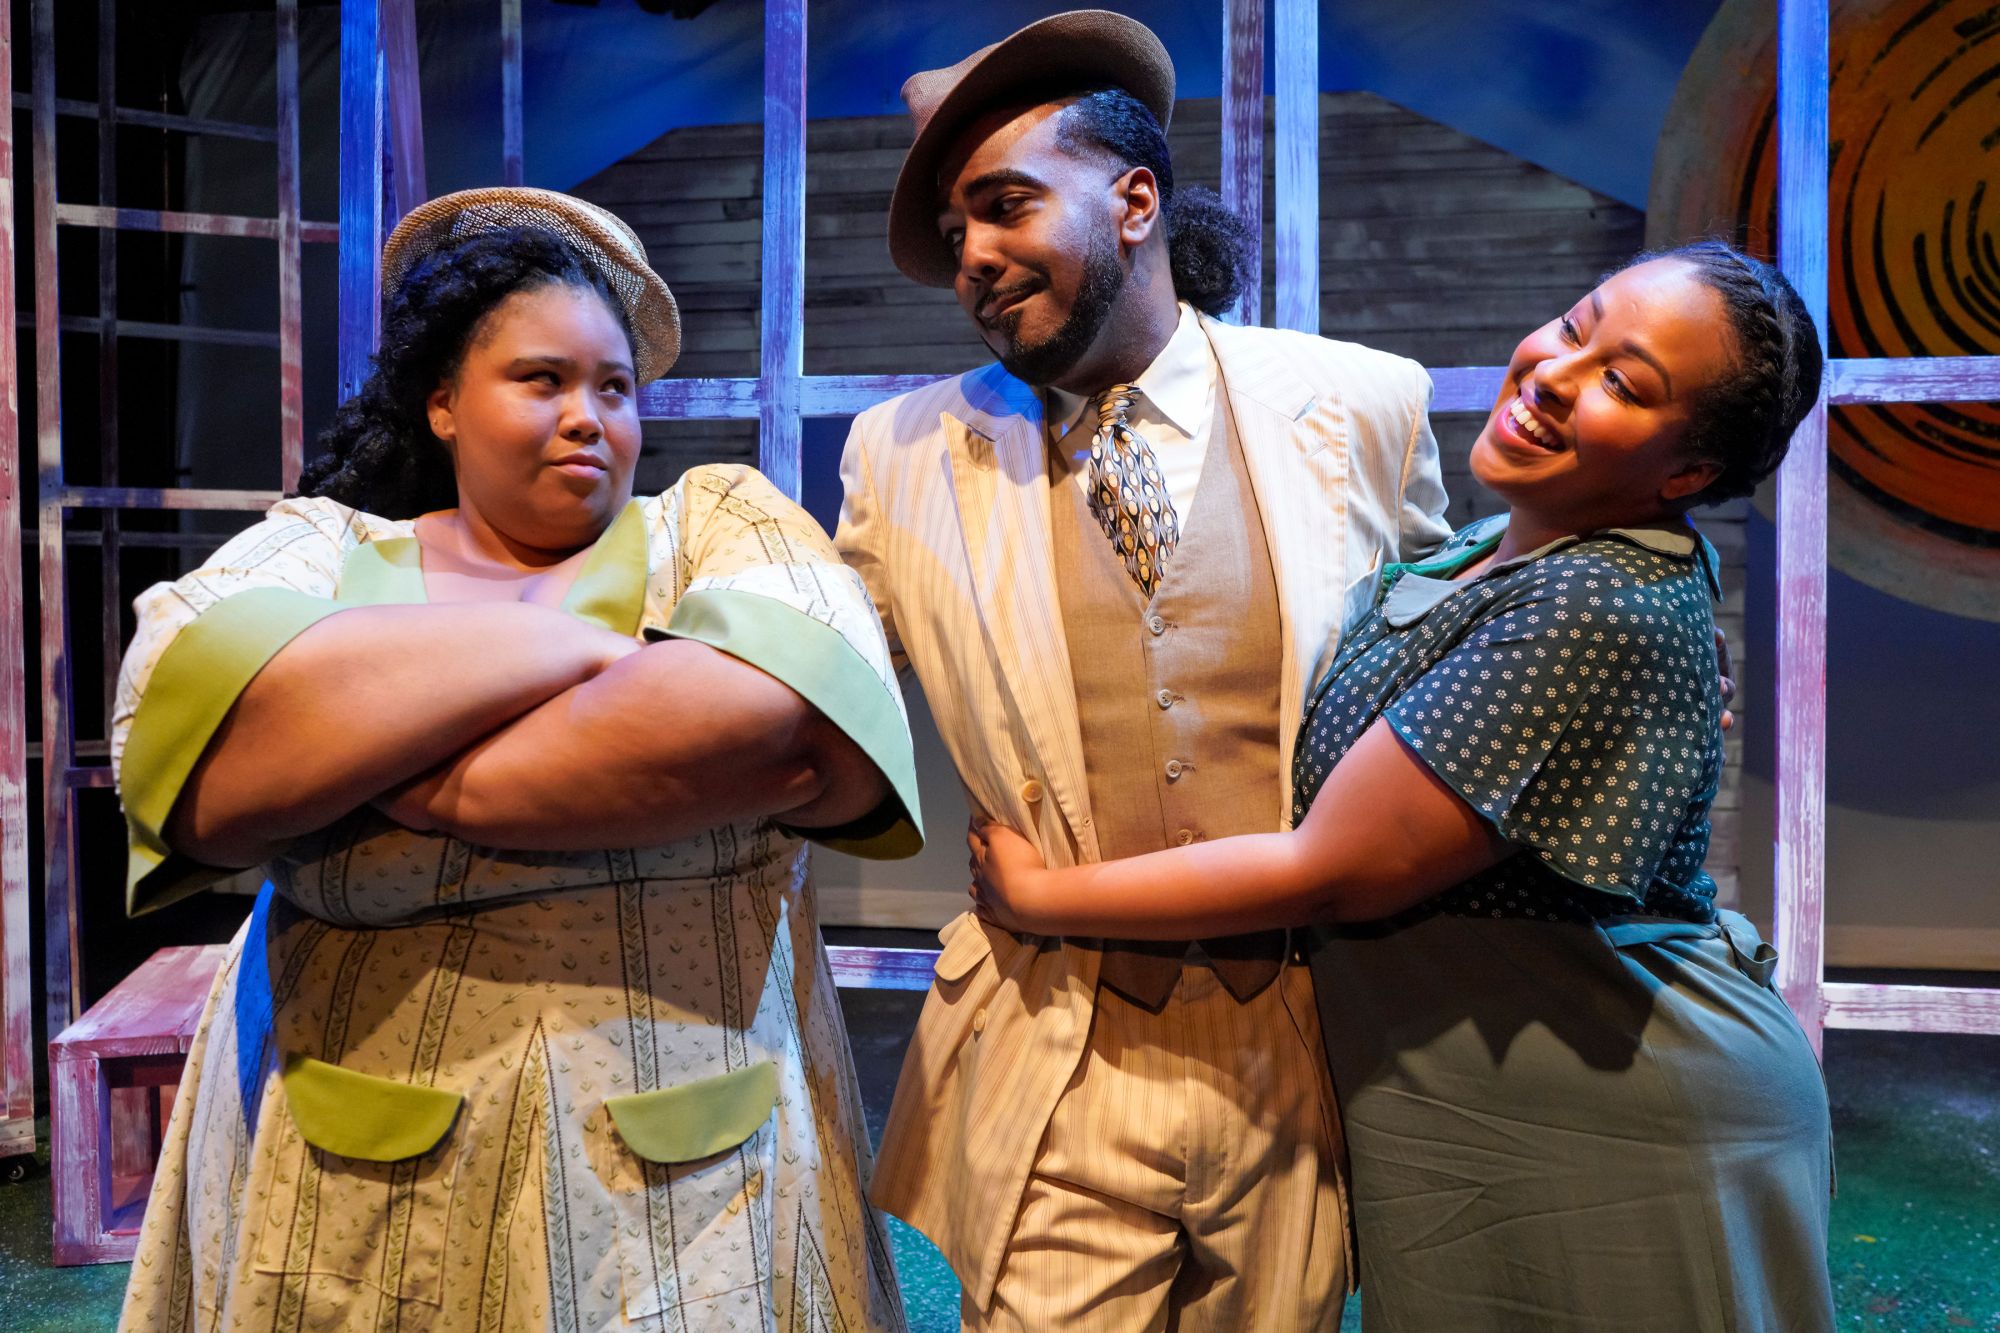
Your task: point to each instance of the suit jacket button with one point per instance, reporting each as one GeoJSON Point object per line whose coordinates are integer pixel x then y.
{"type": "Point", "coordinates": [979, 1021]}
{"type": "Point", "coordinates": [1031, 791]}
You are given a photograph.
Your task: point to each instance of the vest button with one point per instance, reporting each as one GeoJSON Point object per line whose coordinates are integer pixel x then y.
{"type": "Point", "coordinates": [979, 1021]}
{"type": "Point", "coordinates": [1156, 624]}
{"type": "Point", "coordinates": [1031, 791]}
{"type": "Point", "coordinates": [1166, 698]}
{"type": "Point", "coordinates": [1174, 767]}
{"type": "Point", "coordinates": [1184, 837]}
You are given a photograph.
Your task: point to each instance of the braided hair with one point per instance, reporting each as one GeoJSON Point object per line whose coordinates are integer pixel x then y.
{"type": "Point", "coordinates": [378, 453]}
{"type": "Point", "coordinates": [1744, 422]}
{"type": "Point", "coordinates": [1209, 248]}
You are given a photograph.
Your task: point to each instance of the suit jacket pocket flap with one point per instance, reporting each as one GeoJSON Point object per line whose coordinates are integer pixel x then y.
{"type": "Point", "coordinates": [361, 1116]}
{"type": "Point", "coordinates": [696, 1120]}
{"type": "Point", "coordinates": [965, 943]}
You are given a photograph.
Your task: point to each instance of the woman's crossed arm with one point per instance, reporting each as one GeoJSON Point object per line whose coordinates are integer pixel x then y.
{"type": "Point", "coordinates": [364, 700]}
{"type": "Point", "coordinates": [676, 738]}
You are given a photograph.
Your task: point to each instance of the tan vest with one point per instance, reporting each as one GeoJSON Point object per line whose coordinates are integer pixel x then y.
{"type": "Point", "coordinates": [1177, 697]}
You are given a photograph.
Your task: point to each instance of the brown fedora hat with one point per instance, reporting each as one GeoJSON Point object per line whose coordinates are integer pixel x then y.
{"type": "Point", "coordinates": [1084, 48]}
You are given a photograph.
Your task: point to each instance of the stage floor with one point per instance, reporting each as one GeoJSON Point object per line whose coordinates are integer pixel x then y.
{"type": "Point", "coordinates": [1916, 1226]}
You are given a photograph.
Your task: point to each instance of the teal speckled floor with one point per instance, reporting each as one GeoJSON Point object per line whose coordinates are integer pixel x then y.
{"type": "Point", "coordinates": [35, 1298]}
{"type": "Point", "coordinates": [1916, 1227]}
{"type": "Point", "coordinates": [1916, 1220]}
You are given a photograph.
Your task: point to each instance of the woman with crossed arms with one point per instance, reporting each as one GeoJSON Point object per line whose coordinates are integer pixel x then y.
{"type": "Point", "coordinates": [531, 1028]}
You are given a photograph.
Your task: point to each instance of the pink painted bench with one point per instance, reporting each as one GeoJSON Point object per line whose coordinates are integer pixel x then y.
{"type": "Point", "coordinates": [113, 1074]}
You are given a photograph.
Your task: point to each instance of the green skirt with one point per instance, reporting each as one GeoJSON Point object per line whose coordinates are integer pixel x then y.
{"type": "Point", "coordinates": [1562, 1127]}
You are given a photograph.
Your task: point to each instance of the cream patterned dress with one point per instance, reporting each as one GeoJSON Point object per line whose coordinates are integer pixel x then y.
{"type": "Point", "coordinates": [449, 1087]}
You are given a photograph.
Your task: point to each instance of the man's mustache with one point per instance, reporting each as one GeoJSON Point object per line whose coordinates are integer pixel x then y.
{"type": "Point", "coordinates": [1001, 296]}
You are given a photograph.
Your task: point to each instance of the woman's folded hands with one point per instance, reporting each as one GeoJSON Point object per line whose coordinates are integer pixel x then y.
{"type": "Point", "coordinates": [664, 742]}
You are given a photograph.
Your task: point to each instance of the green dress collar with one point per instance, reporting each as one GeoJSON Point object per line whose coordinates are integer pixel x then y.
{"type": "Point", "coordinates": [1411, 591]}
{"type": "Point", "coordinates": [610, 589]}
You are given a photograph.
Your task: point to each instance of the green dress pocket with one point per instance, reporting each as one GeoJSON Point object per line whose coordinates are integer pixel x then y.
{"type": "Point", "coordinates": [696, 1119]}
{"type": "Point", "coordinates": [361, 1116]}
{"type": "Point", "coordinates": [689, 1169]}
{"type": "Point", "coordinates": [358, 1183]}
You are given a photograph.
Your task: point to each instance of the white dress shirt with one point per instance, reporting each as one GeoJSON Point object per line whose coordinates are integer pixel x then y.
{"type": "Point", "coordinates": [1173, 411]}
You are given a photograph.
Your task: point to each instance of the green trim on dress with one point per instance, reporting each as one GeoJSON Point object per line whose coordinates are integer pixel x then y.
{"type": "Point", "coordinates": [817, 661]}
{"type": "Point", "coordinates": [386, 572]}
{"type": "Point", "coordinates": [610, 589]}
{"type": "Point", "coordinates": [1447, 562]}
{"type": "Point", "coordinates": [193, 687]}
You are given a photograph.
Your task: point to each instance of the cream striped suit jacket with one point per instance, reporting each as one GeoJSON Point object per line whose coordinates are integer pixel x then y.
{"type": "Point", "coordinates": [946, 518]}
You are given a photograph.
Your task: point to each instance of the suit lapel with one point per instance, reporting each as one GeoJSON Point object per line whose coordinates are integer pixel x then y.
{"type": "Point", "coordinates": [1295, 448]}
{"type": "Point", "coordinates": [1000, 479]}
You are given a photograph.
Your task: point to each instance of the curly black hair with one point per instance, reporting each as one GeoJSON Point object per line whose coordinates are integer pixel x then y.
{"type": "Point", "coordinates": [1744, 423]}
{"type": "Point", "coordinates": [378, 453]}
{"type": "Point", "coordinates": [1209, 248]}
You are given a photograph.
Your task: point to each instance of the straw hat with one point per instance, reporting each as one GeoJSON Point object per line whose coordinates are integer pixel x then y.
{"type": "Point", "coordinates": [1082, 49]}
{"type": "Point", "coordinates": [603, 240]}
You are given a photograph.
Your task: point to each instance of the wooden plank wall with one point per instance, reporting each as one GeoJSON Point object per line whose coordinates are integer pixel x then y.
{"type": "Point", "coordinates": [1432, 244]}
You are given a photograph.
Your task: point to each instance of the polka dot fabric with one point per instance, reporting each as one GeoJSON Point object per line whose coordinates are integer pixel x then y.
{"type": "Point", "coordinates": [1571, 698]}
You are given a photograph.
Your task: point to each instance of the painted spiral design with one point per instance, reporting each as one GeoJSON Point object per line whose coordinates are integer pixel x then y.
{"type": "Point", "coordinates": [1914, 264]}
{"type": "Point", "coordinates": [1914, 125]}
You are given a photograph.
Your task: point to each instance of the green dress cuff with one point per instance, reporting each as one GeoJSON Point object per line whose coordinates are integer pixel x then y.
{"type": "Point", "coordinates": [193, 687]}
{"type": "Point", "coordinates": [817, 661]}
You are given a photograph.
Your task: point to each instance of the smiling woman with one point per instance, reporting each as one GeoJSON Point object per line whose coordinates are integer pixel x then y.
{"type": "Point", "coordinates": [1592, 430]}
{"type": "Point", "coordinates": [1571, 1096]}
{"type": "Point", "coordinates": [535, 982]}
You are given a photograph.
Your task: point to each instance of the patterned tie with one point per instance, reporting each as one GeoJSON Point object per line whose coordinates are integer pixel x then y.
{"type": "Point", "coordinates": [1128, 494]}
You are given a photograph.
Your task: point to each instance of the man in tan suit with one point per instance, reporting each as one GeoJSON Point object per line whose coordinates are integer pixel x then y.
{"type": "Point", "coordinates": [1116, 560]}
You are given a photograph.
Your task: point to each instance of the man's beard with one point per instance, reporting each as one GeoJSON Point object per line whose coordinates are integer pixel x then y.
{"type": "Point", "coordinates": [1053, 357]}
